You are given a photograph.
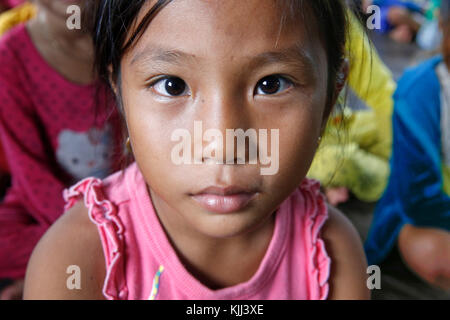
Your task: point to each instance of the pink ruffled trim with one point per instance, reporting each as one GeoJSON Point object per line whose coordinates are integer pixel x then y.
{"type": "Point", "coordinates": [319, 263]}
{"type": "Point", "coordinates": [104, 214]}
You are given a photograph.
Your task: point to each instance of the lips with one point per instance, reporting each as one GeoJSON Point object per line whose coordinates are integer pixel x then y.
{"type": "Point", "coordinates": [224, 200]}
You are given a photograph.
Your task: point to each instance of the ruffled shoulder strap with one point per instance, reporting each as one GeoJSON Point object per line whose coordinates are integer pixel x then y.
{"type": "Point", "coordinates": [104, 214]}
{"type": "Point", "coordinates": [319, 263]}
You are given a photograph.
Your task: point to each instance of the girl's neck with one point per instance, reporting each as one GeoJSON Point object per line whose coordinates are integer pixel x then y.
{"type": "Point", "coordinates": [70, 52]}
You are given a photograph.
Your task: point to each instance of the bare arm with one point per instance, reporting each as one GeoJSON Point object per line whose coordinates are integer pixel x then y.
{"type": "Point", "coordinates": [72, 241]}
{"type": "Point", "coordinates": [348, 278]}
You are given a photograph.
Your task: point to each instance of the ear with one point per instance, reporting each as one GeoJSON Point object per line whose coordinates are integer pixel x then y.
{"type": "Point", "coordinates": [111, 82]}
{"type": "Point", "coordinates": [340, 82]}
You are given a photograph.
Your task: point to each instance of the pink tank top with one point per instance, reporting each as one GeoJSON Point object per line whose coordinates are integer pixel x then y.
{"type": "Point", "coordinates": [142, 264]}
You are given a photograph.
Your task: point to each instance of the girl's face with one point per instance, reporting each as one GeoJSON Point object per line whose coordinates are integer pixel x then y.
{"type": "Point", "coordinates": [227, 65]}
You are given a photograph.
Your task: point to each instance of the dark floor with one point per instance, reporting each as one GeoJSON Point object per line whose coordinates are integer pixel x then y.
{"type": "Point", "coordinates": [397, 282]}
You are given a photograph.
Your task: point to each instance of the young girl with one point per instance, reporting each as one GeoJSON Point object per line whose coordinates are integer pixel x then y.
{"type": "Point", "coordinates": [49, 129]}
{"type": "Point", "coordinates": [209, 229]}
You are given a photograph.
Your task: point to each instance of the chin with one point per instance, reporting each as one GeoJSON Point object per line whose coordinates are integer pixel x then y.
{"type": "Point", "coordinates": [230, 225]}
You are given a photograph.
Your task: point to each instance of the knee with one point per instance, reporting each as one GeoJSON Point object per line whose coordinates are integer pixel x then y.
{"type": "Point", "coordinates": [426, 252]}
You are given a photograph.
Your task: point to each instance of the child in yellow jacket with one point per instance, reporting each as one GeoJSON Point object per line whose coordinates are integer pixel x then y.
{"type": "Point", "coordinates": [357, 161]}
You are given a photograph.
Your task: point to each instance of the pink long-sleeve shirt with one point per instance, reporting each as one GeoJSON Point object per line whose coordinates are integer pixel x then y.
{"type": "Point", "coordinates": [52, 136]}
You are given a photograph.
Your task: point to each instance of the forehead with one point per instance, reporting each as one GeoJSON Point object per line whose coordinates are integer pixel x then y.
{"type": "Point", "coordinates": [225, 29]}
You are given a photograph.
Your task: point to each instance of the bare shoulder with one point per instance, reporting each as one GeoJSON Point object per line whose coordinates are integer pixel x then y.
{"type": "Point", "coordinates": [348, 278]}
{"type": "Point", "coordinates": [71, 248]}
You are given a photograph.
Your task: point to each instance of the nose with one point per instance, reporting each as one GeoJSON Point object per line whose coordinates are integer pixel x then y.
{"type": "Point", "coordinates": [228, 136]}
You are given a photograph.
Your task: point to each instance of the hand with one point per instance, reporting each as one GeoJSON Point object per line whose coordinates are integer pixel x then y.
{"type": "Point", "coordinates": [402, 34]}
{"type": "Point", "coordinates": [14, 291]}
{"type": "Point", "coordinates": [337, 195]}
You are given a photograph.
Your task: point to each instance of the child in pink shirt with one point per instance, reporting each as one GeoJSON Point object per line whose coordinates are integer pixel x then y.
{"type": "Point", "coordinates": [54, 127]}
{"type": "Point", "coordinates": [200, 215]}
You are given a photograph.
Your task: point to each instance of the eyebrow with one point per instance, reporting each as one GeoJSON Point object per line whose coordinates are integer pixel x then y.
{"type": "Point", "coordinates": [154, 54]}
{"type": "Point", "coordinates": [295, 55]}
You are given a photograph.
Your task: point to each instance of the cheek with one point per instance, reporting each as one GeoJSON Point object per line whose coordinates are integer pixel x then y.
{"type": "Point", "coordinates": [149, 131]}
{"type": "Point", "coordinates": [151, 145]}
{"type": "Point", "coordinates": [300, 129]}
{"type": "Point", "coordinates": [298, 141]}
{"type": "Point", "coordinates": [150, 138]}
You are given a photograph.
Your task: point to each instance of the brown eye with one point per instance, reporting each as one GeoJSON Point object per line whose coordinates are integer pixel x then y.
{"type": "Point", "coordinates": [170, 87]}
{"type": "Point", "coordinates": [272, 85]}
